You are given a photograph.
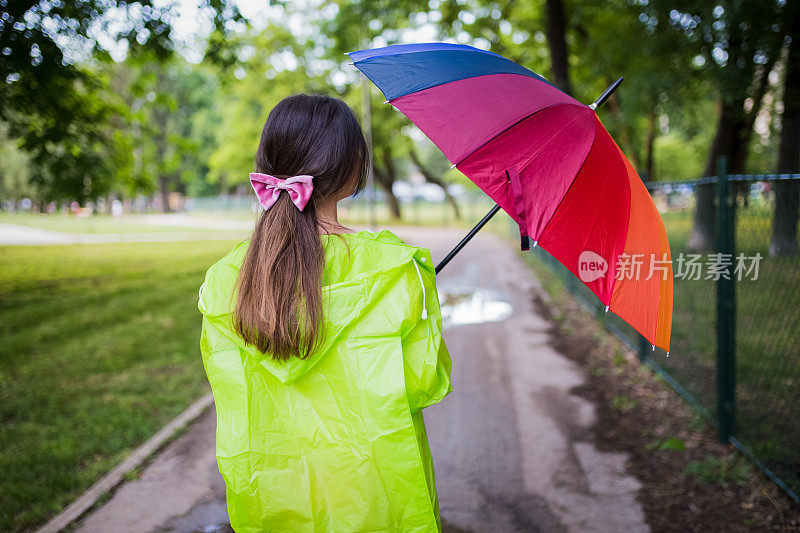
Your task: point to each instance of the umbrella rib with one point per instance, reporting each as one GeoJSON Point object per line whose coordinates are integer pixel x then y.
{"type": "Point", "coordinates": [459, 48]}
{"type": "Point", "coordinates": [547, 224]}
{"type": "Point", "coordinates": [504, 130]}
{"type": "Point", "coordinates": [519, 170]}
{"type": "Point", "coordinates": [532, 75]}
{"type": "Point", "coordinates": [544, 229]}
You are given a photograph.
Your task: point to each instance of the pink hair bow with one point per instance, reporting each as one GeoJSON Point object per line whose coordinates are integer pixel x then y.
{"type": "Point", "coordinates": [269, 187]}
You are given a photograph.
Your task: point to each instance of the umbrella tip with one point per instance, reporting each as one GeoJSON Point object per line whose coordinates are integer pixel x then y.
{"type": "Point", "coordinates": [535, 244]}
{"type": "Point", "coordinates": [654, 347]}
{"type": "Point", "coordinates": [606, 309]}
{"type": "Point", "coordinates": [453, 165]}
{"type": "Point", "coordinates": [386, 101]}
{"type": "Point", "coordinates": [667, 354]}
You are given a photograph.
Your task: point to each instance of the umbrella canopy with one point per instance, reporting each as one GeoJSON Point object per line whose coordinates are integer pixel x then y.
{"type": "Point", "coordinates": [547, 160]}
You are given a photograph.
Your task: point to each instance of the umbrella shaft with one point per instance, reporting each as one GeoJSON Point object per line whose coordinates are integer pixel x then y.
{"type": "Point", "coordinates": [496, 208]}
{"type": "Point", "coordinates": [466, 239]}
{"type": "Point", "coordinates": [606, 93]}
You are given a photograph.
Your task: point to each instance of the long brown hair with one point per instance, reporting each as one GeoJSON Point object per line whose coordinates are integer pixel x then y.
{"type": "Point", "coordinates": [279, 303]}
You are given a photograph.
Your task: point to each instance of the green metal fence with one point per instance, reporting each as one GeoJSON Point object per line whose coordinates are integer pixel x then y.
{"type": "Point", "coordinates": [735, 347]}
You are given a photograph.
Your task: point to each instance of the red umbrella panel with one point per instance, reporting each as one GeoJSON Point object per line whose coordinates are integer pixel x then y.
{"type": "Point", "coordinates": [547, 160]}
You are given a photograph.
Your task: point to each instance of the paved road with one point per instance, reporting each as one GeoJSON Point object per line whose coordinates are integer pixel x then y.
{"type": "Point", "coordinates": [511, 444]}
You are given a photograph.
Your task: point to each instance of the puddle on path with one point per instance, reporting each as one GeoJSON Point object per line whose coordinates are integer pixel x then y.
{"type": "Point", "coordinates": [205, 517]}
{"type": "Point", "coordinates": [471, 306]}
{"type": "Point", "coordinates": [215, 528]}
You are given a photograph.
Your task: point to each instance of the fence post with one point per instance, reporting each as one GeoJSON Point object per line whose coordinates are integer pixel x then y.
{"type": "Point", "coordinates": [726, 306]}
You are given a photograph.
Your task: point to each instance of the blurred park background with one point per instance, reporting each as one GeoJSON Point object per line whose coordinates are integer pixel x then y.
{"type": "Point", "coordinates": [128, 129]}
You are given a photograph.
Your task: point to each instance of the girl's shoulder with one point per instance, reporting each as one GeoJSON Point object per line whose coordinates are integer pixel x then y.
{"type": "Point", "coordinates": [382, 249]}
{"type": "Point", "coordinates": [382, 236]}
{"type": "Point", "coordinates": [233, 258]}
{"type": "Point", "coordinates": [364, 254]}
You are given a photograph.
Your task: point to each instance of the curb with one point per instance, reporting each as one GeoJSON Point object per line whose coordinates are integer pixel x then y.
{"type": "Point", "coordinates": [86, 500]}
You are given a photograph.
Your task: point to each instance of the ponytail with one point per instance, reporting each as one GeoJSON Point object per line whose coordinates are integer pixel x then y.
{"type": "Point", "coordinates": [279, 286]}
{"type": "Point", "coordinates": [279, 307]}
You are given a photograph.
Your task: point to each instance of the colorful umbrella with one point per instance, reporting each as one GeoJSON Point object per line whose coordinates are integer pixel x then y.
{"type": "Point", "coordinates": [547, 160]}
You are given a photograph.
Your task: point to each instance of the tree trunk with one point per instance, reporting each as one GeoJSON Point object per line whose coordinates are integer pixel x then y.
{"type": "Point", "coordinates": [436, 181]}
{"type": "Point", "coordinates": [704, 231]}
{"type": "Point", "coordinates": [784, 222]}
{"type": "Point", "coordinates": [557, 43]}
{"type": "Point", "coordinates": [161, 115]}
{"type": "Point", "coordinates": [163, 191]}
{"type": "Point", "coordinates": [385, 177]}
{"type": "Point", "coordinates": [651, 140]}
{"type": "Point", "coordinates": [727, 142]}
{"type": "Point", "coordinates": [787, 193]}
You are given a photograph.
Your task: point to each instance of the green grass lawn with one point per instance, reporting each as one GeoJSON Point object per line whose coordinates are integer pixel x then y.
{"type": "Point", "coordinates": [100, 350]}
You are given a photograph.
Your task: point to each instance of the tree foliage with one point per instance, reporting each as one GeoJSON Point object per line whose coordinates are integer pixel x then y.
{"type": "Point", "coordinates": [77, 124]}
{"type": "Point", "coordinates": [52, 98]}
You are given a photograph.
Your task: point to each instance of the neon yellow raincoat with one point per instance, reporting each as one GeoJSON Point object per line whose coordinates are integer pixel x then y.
{"type": "Point", "coordinates": [335, 442]}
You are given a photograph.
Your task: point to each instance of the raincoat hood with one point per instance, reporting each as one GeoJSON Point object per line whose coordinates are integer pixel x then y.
{"type": "Point", "coordinates": [354, 276]}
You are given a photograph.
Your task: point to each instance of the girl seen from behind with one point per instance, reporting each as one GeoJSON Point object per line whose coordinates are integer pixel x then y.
{"type": "Point", "coordinates": [322, 345]}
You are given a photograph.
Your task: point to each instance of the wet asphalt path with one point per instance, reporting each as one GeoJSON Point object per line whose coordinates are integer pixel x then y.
{"type": "Point", "coordinates": [473, 432]}
{"type": "Point", "coordinates": [511, 445]}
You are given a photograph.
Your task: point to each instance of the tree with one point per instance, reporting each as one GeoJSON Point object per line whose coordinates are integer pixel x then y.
{"type": "Point", "coordinates": [276, 65]}
{"type": "Point", "coordinates": [387, 148]}
{"type": "Point", "coordinates": [14, 169]}
{"type": "Point", "coordinates": [558, 44]}
{"type": "Point", "coordinates": [385, 171]}
{"type": "Point", "coordinates": [787, 193]}
{"type": "Point", "coordinates": [161, 143]}
{"type": "Point", "coordinates": [430, 177]}
{"type": "Point", "coordinates": [604, 36]}
{"type": "Point", "coordinates": [50, 101]}
{"type": "Point", "coordinates": [180, 92]}
{"type": "Point", "coordinates": [733, 39]}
